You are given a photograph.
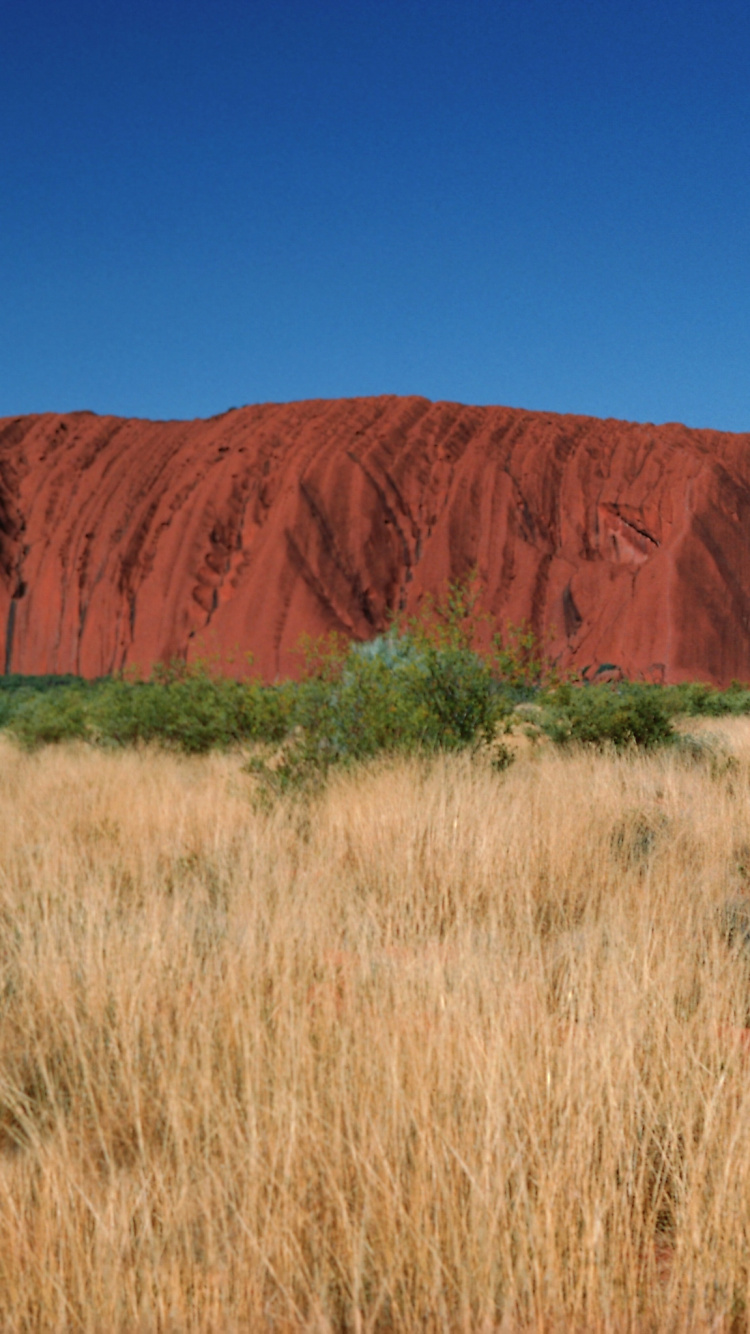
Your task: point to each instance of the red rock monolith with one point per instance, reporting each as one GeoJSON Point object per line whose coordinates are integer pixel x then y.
{"type": "Point", "coordinates": [125, 542]}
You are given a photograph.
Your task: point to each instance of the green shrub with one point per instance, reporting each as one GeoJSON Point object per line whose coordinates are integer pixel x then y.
{"type": "Point", "coordinates": [620, 716]}
{"type": "Point", "coordinates": [8, 706]}
{"type": "Point", "coordinates": [24, 693]}
{"type": "Point", "coordinates": [521, 662]}
{"type": "Point", "coordinates": [178, 707]}
{"type": "Point", "coordinates": [187, 709]}
{"type": "Point", "coordinates": [696, 699]}
{"type": "Point", "coordinates": [393, 695]}
{"type": "Point", "coordinates": [41, 719]}
{"type": "Point", "coordinates": [426, 685]}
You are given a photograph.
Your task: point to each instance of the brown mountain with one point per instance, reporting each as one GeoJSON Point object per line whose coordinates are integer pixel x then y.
{"type": "Point", "coordinates": [125, 542]}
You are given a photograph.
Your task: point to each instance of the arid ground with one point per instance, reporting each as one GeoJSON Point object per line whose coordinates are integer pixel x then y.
{"type": "Point", "coordinates": [441, 1048]}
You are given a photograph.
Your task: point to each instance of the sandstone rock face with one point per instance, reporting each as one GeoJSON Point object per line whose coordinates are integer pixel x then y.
{"type": "Point", "coordinates": [127, 542]}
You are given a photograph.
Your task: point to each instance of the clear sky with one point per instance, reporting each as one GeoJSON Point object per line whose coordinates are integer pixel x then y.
{"type": "Point", "coordinates": [541, 203]}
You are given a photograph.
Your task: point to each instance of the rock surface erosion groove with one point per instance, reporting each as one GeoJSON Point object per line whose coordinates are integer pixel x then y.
{"type": "Point", "coordinates": [127, 542]}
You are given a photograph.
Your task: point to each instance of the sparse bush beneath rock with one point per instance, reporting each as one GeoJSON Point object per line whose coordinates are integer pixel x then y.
{"type": "Point", "coordinates": [187, 709]}
{"type": "Point", "coordinates": [425, 685]}
{"type": "Point", "coordinates": [394, 697]}
{"type": "Point", "coordinates": [619, 716]}
{"type": "Point", "coordinates": [45, 718]}
{"type": "Point", "coordinates": [180, 708]}
{"type": "Point", "coordinates": [697, 699]}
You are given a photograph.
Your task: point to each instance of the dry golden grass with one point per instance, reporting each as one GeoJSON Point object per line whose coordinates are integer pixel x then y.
{"type": "Point", "coordinates": [442, 1050]}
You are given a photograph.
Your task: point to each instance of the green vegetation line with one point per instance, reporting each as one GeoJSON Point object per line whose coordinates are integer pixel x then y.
{"type": "Point", "coordinates": [423, 686]}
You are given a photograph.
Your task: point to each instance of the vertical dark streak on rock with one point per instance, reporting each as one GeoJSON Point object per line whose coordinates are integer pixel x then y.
{"type": "Point", "coordinates": [539, 596]}
{"type": "Point", "coordinates": [303, 567]}
{"type": "Point", "coordinates": [332, 551]}
{"type": "Point", "coordinates": [571, 615]}
{"type": "Point", "coordinates": [392, 516]}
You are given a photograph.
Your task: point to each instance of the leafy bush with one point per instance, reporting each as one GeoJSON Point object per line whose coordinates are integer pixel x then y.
{"type": "Point", "coordinates": [44, 718]}
{"type": "Point", "coordinates": [8, 706]}
{"type": "Point", "coordinates": [24, 694]}
{"type": "Point", "coordinates": [187, 709]}
{"type": "Point", "coordinates": [178, 707]}
{"type": "Point", "coordinates": [16, 684]}
{"type": "Point", "coordinates": [394, 695]}
{"type": "Point", "coordinates": [616, 715]}
{"type": "Point", "coordinates": [696, 699]}
{"type": "Point", "coordinates": [521, 661]}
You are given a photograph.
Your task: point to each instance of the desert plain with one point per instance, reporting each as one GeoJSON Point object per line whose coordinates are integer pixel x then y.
{"type": "Point", "coordinates": [435, 1047]}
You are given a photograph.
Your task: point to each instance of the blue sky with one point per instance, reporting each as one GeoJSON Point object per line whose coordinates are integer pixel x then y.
{"type": "Point", "coordinates": [542, 203]}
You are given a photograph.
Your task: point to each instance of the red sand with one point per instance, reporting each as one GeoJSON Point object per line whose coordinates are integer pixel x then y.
{"type": "Point", "coordinates": [126, 542]}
